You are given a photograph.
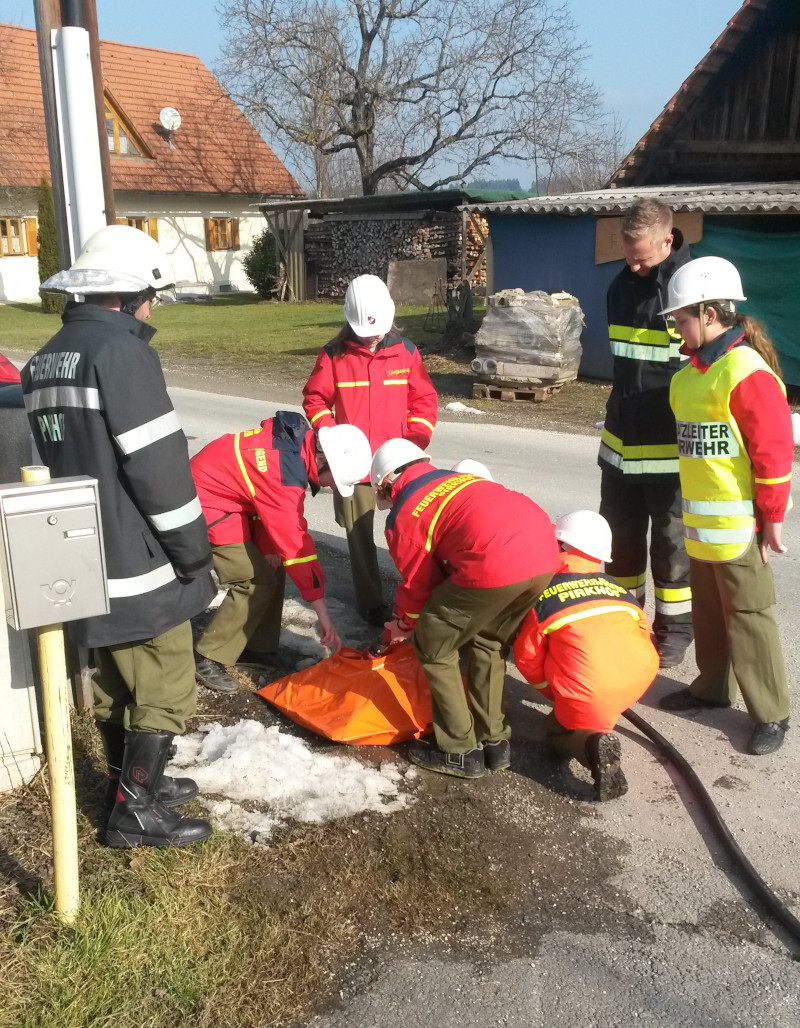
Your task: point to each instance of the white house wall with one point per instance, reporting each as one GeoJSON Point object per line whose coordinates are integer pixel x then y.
{"type": "Point", "coordinates": [181, 232]}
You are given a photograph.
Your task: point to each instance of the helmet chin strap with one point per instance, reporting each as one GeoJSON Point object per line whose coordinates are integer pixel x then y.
{"type": "Point", "coordinates": [702, 324]}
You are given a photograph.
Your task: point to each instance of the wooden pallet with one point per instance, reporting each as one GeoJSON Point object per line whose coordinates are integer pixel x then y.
{"type": "Point", "coordinates": [485, 391]}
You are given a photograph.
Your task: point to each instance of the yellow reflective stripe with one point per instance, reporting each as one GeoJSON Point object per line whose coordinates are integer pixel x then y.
{"type": "Point", "coordinates": [320, 413]}
{"type": "Point", "coordinates": [651, 451]}
{"type": "Point", "coordinates": [774, 481]}
{"type": "Point", "coordinates": [645, 336]}
{"type": "Point", "coordinates": [350, 385]}
{"type": "Point", "coordinates": [413, 617]}
{"type": "Point", "coordinates": [242, 468]}
{"type": "Point", "coordinates": [581, 615]}
{"type": "Point", "coordinates": [300, 560]}
{"type": "Point", "coordinates": [395, 381]}
{"type": "Point", "coordinates": [422, 421]}
{"type": "Point", "coordinates": [435, 518]}
{"type": "Point", "coordinates": [632, 581]}
{"type": "Point", "coordinates": [673, 595]}
{"type": "Point", "coordinates": [540, 685]}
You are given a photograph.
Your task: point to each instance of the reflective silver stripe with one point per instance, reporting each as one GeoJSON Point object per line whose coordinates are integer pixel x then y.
{"type": "Point", "coordinates": [177, 518]}
{"type": "Point", "coordinates": [719, 535]}
{"type": "Point", "coordinates": [639, 592]}
{"type": "Point", "coordinates": [610, 456]}
{"type": "Point", "coordinates": [63, 396]}
{"type": "Point", "coordinates": [151, 432]}
{"type": "Point", "coordinates": [641, 352]}
{"type": "Point", "coordinates": [119, 587]}
{"type": "Point", "coordinates": [673, 606]}
{"type": "Point", "coordinates": [719, 508]}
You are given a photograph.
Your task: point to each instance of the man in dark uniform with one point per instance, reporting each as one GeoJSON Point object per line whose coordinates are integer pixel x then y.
{"type": "Point", "coordinates": [640, 488]}
{"type": "Point", "coordinates": [98, 405]}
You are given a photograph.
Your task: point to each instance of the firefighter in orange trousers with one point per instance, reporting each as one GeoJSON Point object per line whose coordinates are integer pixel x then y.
{"type": "Point", "coordinates": [586, 646]}
{"type": "Point", "coordinates": [473, 556]}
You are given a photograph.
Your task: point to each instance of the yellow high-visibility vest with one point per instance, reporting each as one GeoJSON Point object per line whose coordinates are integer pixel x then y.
{"type": "Point", "coordinates": [717, 478]}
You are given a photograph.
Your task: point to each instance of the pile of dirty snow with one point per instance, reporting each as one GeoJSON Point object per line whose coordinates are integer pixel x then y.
{"type": "Point", "coordinates": [253, 778]}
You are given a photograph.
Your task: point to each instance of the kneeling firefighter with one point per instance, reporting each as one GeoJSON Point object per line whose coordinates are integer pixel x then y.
{"type": "Point", "coordinates": [98, 406]}
{"type": "Point", "coordinates": [252, 490]}
{"type": "Point", "coordinates": [586, 646]}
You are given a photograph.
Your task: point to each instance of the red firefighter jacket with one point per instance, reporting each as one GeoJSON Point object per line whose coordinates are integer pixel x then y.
{"type": "Point", "coordinates": [387, 394]}
{"type": "Point", "coordinates": [252, 485]}
{"type": "Point", "coordinates": [475, 532]}
{"type": "Point", "coordinates": [586, 646]}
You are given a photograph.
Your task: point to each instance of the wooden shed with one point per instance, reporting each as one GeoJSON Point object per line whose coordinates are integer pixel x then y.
{"type": "Point", "coordinates": [724, 154]}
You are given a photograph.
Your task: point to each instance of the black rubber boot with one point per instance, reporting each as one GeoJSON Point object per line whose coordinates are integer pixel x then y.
{"type": "Point", "coordinates": [603, 752]}
{"type": "Point", "coordinates": [138, 818]}
{"type": "Point", "coordinates": [172, 792]}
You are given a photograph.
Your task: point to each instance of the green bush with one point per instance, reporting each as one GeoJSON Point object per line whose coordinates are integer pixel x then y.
{"type": "Point", "coordinates": [52, 303]}
{"type": "Point", "coordinates": [260, 264]}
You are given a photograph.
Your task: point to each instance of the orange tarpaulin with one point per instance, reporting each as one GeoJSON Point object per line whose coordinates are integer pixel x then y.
{"type": "Point", "coordinates": [358, 698]}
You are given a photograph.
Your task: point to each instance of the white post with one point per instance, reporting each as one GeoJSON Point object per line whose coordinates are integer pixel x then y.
{"type": "Point", "coordinates": [77, 129]}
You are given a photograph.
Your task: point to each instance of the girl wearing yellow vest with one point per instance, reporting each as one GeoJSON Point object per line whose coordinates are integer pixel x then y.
{"type": "Point", "coordinates": [735, 451]}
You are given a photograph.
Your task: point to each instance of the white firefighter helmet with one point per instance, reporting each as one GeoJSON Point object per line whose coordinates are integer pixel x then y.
{"type": "Point", "coordinates": [468, 466]}
{"type": "Point", "coordinates": [703, 280]}
{"type": "Point", "coordinates": [393, 455]}
{"type": "Point", "coordinates": [368, 307]}
{"type": "Point", "coordinates": [117, 259]}
{"type": "Point", "coordinates": [348, 454]}
{"type": "Point", "coordinates": [587, 531]}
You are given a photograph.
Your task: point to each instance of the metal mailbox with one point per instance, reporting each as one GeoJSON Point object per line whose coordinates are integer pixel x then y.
{"type": "Point", "coordinates": [53, 563]}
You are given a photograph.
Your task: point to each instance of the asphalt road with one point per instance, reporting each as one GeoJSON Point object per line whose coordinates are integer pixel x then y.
{"type": "Point", "coordinates": [684, 948]}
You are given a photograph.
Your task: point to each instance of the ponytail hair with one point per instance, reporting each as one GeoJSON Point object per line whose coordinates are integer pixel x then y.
{"type": "Point", "coordinates": [754, 332]}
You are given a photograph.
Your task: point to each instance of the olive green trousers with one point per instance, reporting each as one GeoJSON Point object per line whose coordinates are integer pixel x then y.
{"type": "Point", "coordinates": [147, 686]}
{"type": "Point", "coordinates": [736, 637]}
{"type": "Point", "coordinates": [356, 515]}
{"type": "Point", "coordinates": [250, 614]}
{"type": "Point", "coordinates": [483, 620]}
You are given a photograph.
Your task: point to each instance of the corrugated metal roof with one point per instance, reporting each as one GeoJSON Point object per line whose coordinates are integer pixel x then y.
{"type": "Point", "coordinates": [381, 203]}
{"type": "Point", "coordinates": [725, 198]}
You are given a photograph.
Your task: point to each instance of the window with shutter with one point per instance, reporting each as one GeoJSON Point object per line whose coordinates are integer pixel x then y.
{"type": "Point", "coordinates": [222, 234]}
{"type": "Point", "coordinates": [18, 237]}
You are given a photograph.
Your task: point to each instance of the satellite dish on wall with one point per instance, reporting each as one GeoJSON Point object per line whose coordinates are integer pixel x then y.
{"type": "Point", "coordinates": [170, 119]}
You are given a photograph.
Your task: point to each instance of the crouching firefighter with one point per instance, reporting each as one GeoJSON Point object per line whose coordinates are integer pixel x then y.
{"type": "Point", "coordinates": [586, 646]}
{"type": "Point", "coordinates": [252, 488]}
{"type": "Point", "coordinates": [473, 556]}
{"type": "Point", "coordinates": [97, 404]}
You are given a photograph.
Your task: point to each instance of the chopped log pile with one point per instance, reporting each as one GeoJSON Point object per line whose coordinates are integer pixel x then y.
{"type": "Point", "coordinates": [339, 248]}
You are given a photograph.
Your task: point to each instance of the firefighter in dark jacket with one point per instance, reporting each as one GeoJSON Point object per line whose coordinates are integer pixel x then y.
{"type": "Point", "coordinates": [640, 487]}
{"type": "Point", "coordinates": [252, 487]}
{"type": "Point", "coordinates": [474, 556]}
{"type": "Point", "coordinates": [98, 405]}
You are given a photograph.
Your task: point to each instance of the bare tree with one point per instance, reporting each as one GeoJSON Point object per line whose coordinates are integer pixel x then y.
{"type": "Point", "coordinates": [589, 164]}
{"type": "Point", "coordinates": [414, 93]}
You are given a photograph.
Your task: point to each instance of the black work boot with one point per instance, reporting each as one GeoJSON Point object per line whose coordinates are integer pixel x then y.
{"type": "Point", "coordinates": [172, 792]}
{"type": "Point", "coordinates": [460, 765]}
{"type": "Point", "coordinates": [138, 818]}
{"type": "Point", "coordinates": [497, 754]}
{"type": "Point", "coordinates": [603, 752]}
{"type": "Point", "coordinates": [214, 675]}
{"type": "Point", "coordinates": [768, 736]}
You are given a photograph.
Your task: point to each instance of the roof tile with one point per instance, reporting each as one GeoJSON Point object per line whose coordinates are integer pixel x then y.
{"type": "Point", "coordinates": [217, 150]}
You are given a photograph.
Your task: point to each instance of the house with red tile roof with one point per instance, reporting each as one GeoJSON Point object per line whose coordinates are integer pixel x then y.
{"type": "Point", "coordinates": [192, 188]}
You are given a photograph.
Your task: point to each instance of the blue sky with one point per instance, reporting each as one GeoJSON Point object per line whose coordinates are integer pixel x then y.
{"type": "Point", "coordinates": [639, 52]}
